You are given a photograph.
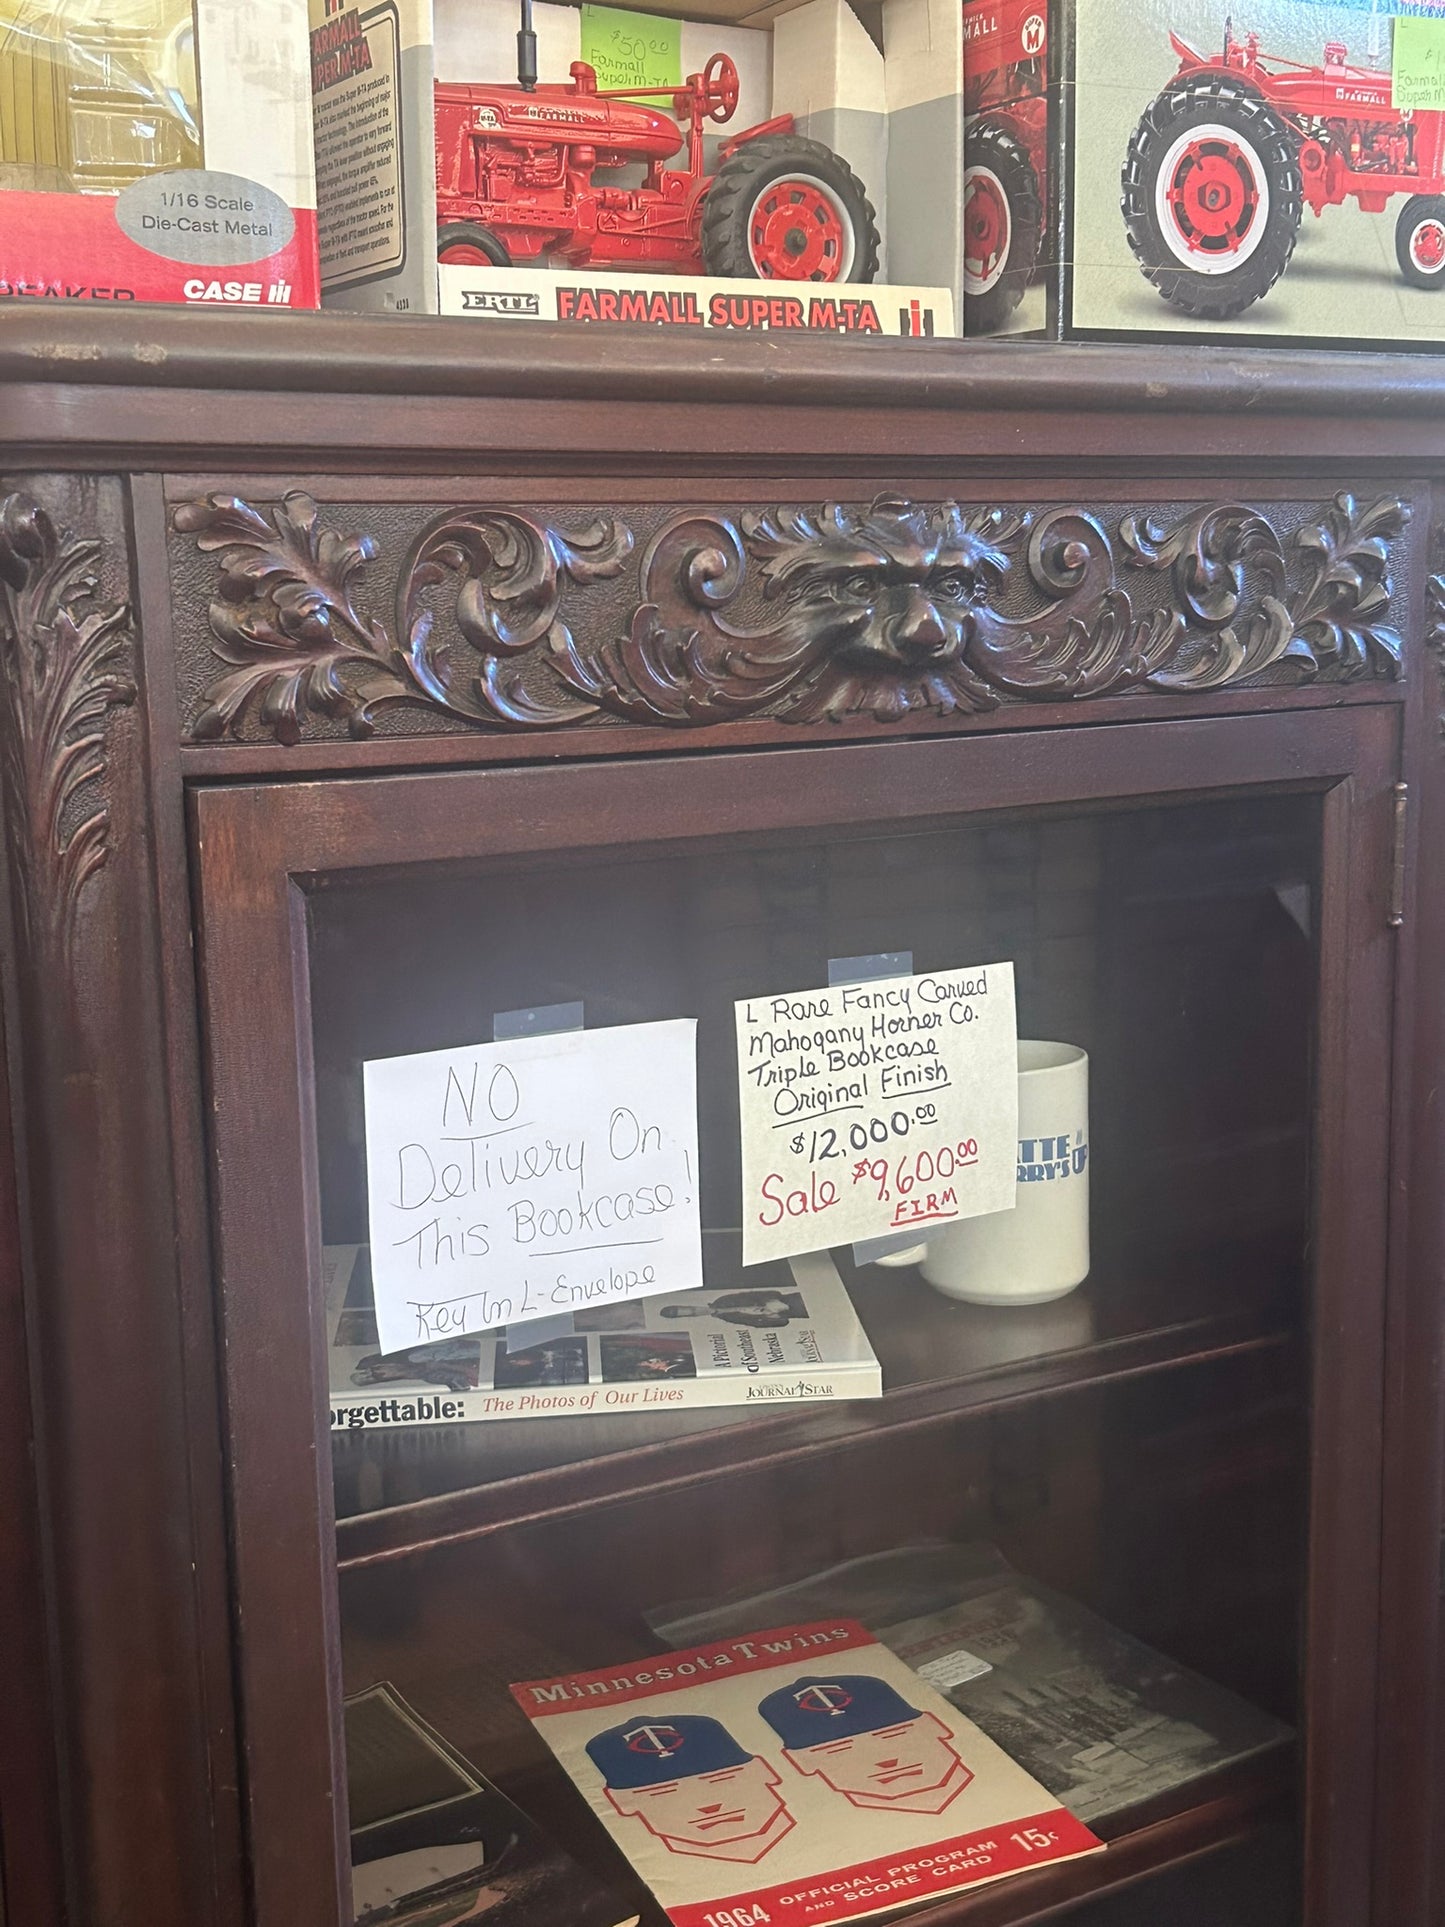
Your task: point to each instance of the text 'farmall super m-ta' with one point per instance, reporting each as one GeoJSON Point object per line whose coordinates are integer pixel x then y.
{"type": "Point", "coordinates": [517, 167]}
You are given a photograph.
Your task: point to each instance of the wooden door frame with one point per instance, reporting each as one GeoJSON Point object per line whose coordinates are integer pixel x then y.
{"type": "Point", "coordinates": [256, 846]}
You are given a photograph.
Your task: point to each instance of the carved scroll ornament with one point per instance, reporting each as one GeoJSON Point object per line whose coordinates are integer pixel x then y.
{"type": "Point", "coordinates": [800, 614]}
{"type": "Point", "coordinates": [65, 659]}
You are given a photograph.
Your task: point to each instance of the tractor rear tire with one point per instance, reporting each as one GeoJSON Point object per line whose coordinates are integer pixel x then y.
{"type": "Point", "coordinates": [1420, 240]}
{"type": "Point", "coordinates": [1211, 196]}
{"type": "Point", "coordinates": [782, 208]}
{"type": "Point", "coordinates": [1003, 219]}
{"type": "Point", "coordinates": [468, 244]}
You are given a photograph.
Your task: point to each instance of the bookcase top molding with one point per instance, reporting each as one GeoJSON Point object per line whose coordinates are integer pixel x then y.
{"type": "Point", "coordinates": [134, 382]}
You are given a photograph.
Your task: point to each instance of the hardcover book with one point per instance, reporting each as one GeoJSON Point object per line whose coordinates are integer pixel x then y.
{"type": "Point", "coordinates": [433, 1843]}
{"type": "Point", "coordinates": [802, 1773]}
{"type": "Point", "coordinates": [777, 1335]}
{"type": "Point", "coordinates": [1100, 1719]}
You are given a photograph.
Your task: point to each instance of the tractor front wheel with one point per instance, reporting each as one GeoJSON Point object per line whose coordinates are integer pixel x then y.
{"type": "Point", "coordinates": [1003, 217]}
{"type": "Point", "coordinates": [1420, 240]}
{"type": "Point", "coordinates": [787, 209]}
{"type": "Point", "coordinates": [467, 244]}
{"type": "Point", "coordinates": [1212, 198]}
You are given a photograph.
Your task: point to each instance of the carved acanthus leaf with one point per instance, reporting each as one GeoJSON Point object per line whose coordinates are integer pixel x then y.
{"type": "Point", "coordinates": [285, 620]}
{"type": "Point", "coordinates": [1337, 619]}
{"type": "Point", "coordinates": [66, 662]}
{"type": "Point", "coordinates": [511, 567]}
{"type": "Point", "coordinates": [803, 614]}
{"type": "Point", "coordinates": [1230, 574]}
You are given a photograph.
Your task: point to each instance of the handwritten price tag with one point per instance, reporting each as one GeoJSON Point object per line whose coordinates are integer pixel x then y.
{"type": "Point", "coordinates": [630, 49]}
{"type": "Point", "coordinates": [870, 1109]}
{"type": "Point", "coordinates": [1417, 64]}
{"type": "Point", "coordinates": [518, 1180]}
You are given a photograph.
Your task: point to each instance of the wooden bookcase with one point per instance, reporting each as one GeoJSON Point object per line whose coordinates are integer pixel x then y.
{"type": "Point", "coordinates": [360, 683]}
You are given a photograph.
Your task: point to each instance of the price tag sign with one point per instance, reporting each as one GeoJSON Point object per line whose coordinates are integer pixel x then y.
{"type": "Point", "coordinates": [1417, 67]}
{"type": "Point", "coordinates": [876, 1108]}
{"type": "Point", "coordinates": [541, 1175]}
{"type": "Point", "coordinates": [630, 49]}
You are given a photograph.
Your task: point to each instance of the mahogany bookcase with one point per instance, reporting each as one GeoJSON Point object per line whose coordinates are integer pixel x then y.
{"type": "Point", "coordinates": [362, 679]}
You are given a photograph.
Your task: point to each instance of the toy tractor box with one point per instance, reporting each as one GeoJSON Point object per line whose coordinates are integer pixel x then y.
{"type": "Point", "coordinates": [578, 298]}
{"type": "Point", "coordinates": [1009, 177]}
{"type": "Point", "coordinates": [609, 147]}
{"type": "Point", "coordinates": [371, 88]}
{"type": "Point", "coordinates": [1264, 169]}
{"type": "Point", "coordinates": [923, 93]}
{"type": "Point", "coordinates": [156, 150]}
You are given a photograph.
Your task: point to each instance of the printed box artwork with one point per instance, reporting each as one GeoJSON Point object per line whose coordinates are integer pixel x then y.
{"type": "Point", "coordinates": [694, 303]}
{"type": "Point", "coordinates": [1282, 169]}
{"type": "Point", "coordinates": [155, 150]}
{"type": "Point", "coordinates": [650, 146]}
{"type": "Point", "coordinates": [797, 1774]}
{"type": "Point", "coordinates": [573, 173]}
{"type": "Point", "coordinates": [923, 90]}
{"type": "Point", "coordinates": [1007, 173]}
{"type": "Point", "coordinates": [371, 85]}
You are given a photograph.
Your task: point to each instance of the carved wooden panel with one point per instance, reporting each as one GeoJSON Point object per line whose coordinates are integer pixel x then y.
{"type": "Point", "coordinates": [132, 1519]}
{"type": "Point", "coordinates": [510, 619]}
{"type": "Point", "coordinates": [66, 660]}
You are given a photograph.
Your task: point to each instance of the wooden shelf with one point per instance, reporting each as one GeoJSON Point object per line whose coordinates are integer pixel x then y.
{"type": "Point", "coordinates": [399, 1492]}
{"type": "Point", "coordinates": [1205, 1817]}
{"type": "Point", "coordinates": [1214, 1813]}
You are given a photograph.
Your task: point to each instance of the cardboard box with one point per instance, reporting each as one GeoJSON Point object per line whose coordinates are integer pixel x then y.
{"type": "Point", "coordinates": [923, 68]}
{"type": "Point", "coordinates": [157, 150]}
{"type": "Point", "coordinates": [507, 165]}
{"type": "Point", "coordinates": [829, 75]}
{"type": "Point", "coordinates": [678, 302]}
{"type": "Point", "coordinates": [1281, 166]}
{"type": "Point", "coordinates": [1009, 176]}
{"type": "Point", "coordinates": [371, 88]}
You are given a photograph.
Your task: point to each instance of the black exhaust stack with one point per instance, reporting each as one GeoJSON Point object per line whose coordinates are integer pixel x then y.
{"type": "Point", "coordinates": [527, 51]}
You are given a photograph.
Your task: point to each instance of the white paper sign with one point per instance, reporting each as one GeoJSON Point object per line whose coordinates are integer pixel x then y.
{"type": "Point", "coordinates": [518, 1180]}
{"type": "Point", "coordinates": [876, 1108]}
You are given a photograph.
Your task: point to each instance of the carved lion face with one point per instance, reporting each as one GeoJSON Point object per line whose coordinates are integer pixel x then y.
{"type": "Point", "coordinates": [884, 592]}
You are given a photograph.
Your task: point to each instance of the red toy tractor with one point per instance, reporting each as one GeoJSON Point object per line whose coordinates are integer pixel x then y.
{"type": "Point", "coordinates": [1005, 155]}
{"type": "Point", "coordinates": [1224, 161]}
{"type": "Point", "coordinates": [516, 171]}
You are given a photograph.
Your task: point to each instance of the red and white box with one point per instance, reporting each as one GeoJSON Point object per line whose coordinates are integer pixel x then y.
{"type": "Point", "coordinates": [720, 155]}
{"type": "Point", "coordinates": [160, 150]}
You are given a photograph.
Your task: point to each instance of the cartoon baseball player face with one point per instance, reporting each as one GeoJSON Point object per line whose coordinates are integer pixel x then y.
{"type": "Point", "coordinates": [690, 1783]}
{"type": "Point", "coordinates": [863, 1739]}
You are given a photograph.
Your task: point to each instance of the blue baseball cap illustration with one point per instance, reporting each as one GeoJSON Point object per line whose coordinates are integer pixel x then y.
{"type": "Point", "coordinates": [652, 1748]}
{"type": "Point", "coordinates": [861, 1737]}
{"type": "Point", "coordinates": [833, 1706]}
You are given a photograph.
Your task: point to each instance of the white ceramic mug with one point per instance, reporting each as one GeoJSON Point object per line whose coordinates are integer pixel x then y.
{"type": "Point", "coordinates": [1040, 1249]}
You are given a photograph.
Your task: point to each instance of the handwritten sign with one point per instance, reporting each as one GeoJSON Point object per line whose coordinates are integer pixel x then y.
{"type": "Point", "coordinates": [518, 1180]}
{"type": "Point", "coordinates": [633, 49]}
{"type": "Point", "coordinates": [1417, 69]}
{"type": "Point", "coordinates": [875, 1108]}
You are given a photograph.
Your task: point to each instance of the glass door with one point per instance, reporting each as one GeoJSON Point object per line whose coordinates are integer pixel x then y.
{"type": "Point", "coordinates": [1122, 1527]}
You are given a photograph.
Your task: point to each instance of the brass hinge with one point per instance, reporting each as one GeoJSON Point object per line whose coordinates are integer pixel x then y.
{"type": "Point", "coordinates": [1397, 859]}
